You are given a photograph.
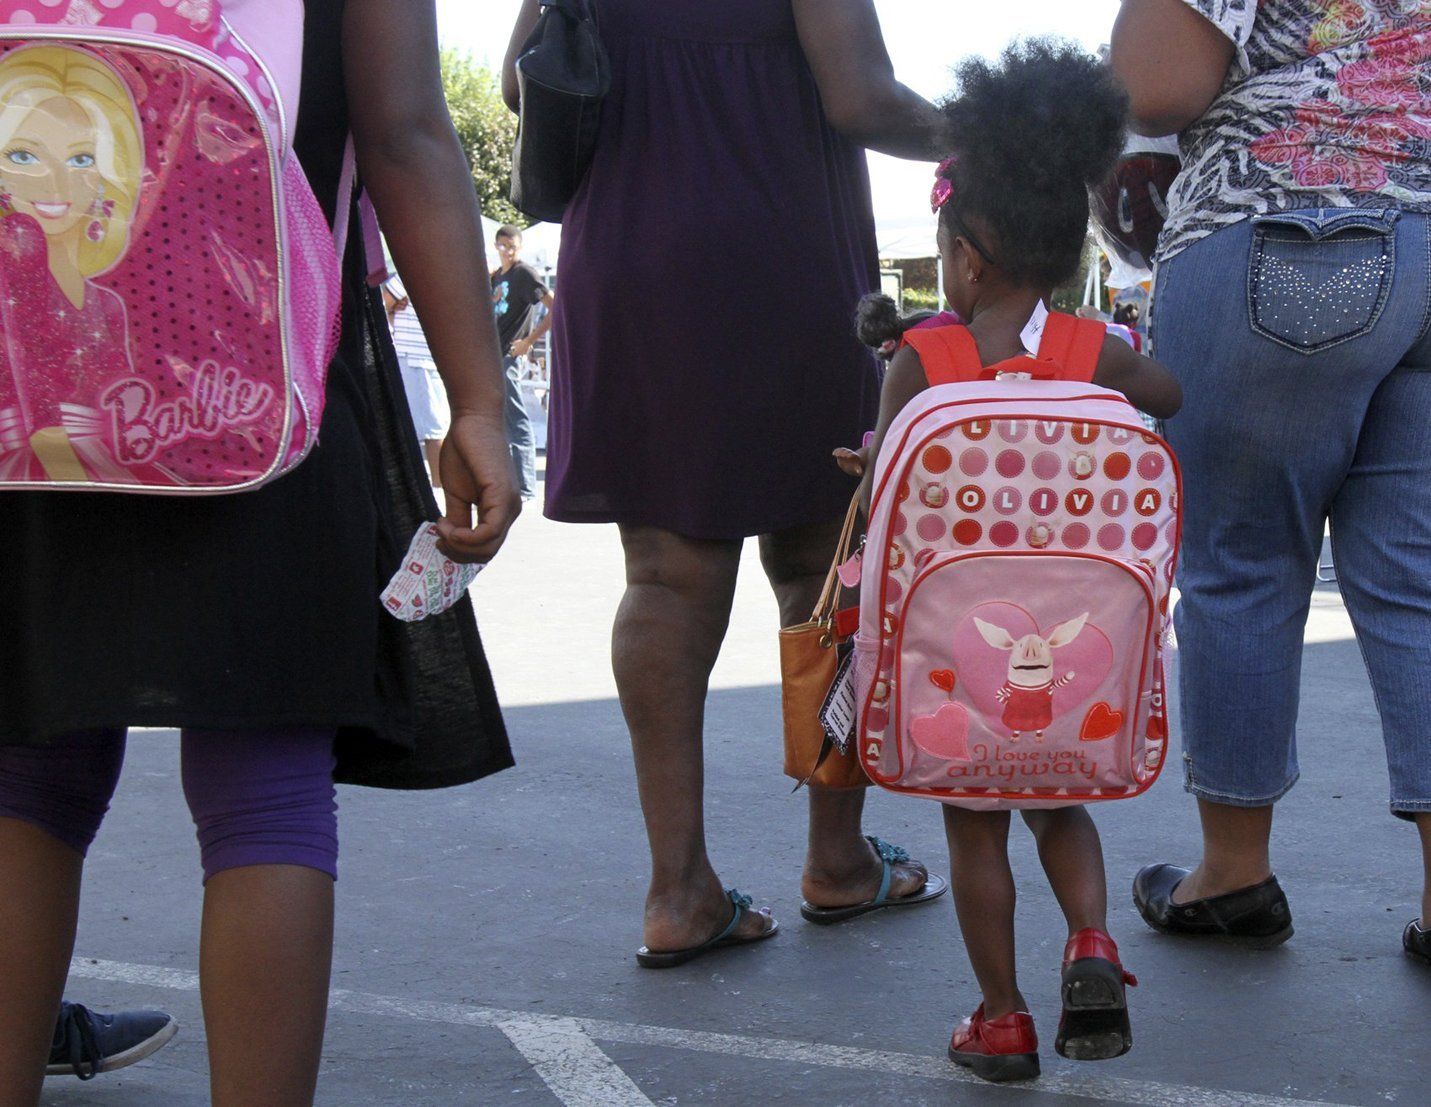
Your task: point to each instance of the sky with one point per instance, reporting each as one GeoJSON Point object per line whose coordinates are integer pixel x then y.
{"type": "Point", "coordinates": [925, 38]}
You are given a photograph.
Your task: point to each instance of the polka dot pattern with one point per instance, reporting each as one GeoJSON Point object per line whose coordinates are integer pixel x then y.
{"type": "Point", "coordinates": [1063, 485]}
{"type": "Point", "coordinates": [1009, 464]}
{"type": "Point", "coordinates": [1008, 500]}
{"type": "Point", "coordinates": [937, 460]}
{"type": "Point", "coordinates": [930, 528]}
{"type": "Point", "coordinates": [1004, 534]}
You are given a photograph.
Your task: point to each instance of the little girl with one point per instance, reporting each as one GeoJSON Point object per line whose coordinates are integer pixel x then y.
{"type": "Point", "coordinates": [1029, 137]}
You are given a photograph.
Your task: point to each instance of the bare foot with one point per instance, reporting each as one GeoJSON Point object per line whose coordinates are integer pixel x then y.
{"type": "Point", "coordinates": [687, 917]}
{"type": "Point", "coordinates": [854, 877]}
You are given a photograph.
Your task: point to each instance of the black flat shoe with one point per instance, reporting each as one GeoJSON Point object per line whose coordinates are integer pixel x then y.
{"type": "Point", "coordinates": [1257, 917]}
{"type": "Point", "coordinates": [1417, 942]}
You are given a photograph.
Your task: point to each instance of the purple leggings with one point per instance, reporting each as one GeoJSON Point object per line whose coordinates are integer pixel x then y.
{"type": "Point", "coordinates": [260, 797]}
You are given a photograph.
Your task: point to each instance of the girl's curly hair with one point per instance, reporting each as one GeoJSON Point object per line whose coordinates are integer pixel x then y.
{"type": "Point", "coordinates": [1031, 135]}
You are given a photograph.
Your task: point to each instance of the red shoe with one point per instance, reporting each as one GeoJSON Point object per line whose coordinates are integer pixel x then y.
{"type": "Point", "coordinates": [1094, 1026]}
{"type": "Point", "coordinates": [1000, 1049]}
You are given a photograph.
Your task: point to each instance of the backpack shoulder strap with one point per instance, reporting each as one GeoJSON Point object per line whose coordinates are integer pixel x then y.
{"type": "Point", "coordinates": [949, 354]}
{"type": "Point", "coordinates": [1075, 345]}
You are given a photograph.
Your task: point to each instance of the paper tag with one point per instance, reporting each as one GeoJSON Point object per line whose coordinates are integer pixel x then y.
{"type": "Point", "coordinates": [849, 572]}
{"type": "Point", "coordinates": [1032, 334]}
{"type": "Point", "coordinates": [837, 715]}
{"type": "Point", "coordinates": [429, 582]}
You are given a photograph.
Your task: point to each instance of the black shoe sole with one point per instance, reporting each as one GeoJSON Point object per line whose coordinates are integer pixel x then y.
{"type": "Point", "coordinates": [1244, 941]}
{"type": "Point", "coordinates": [1094, 1026]}
{"type": "Point", "coordinates": [998, 1068]}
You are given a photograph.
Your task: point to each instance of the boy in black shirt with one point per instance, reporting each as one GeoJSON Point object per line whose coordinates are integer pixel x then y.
{"type": "Point", "coordinates": [516, 291]}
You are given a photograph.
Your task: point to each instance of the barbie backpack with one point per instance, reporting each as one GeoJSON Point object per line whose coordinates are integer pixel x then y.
{"type": "Point", "coordinates": [170, 286]}
{"type": "Point", "coordinates": [1015, 582]}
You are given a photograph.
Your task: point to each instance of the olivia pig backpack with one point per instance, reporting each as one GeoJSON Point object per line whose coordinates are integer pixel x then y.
{"type": "Point", "coordinates": [169, 285]}
{"type": "Point", "coordinates": [1016, 573]}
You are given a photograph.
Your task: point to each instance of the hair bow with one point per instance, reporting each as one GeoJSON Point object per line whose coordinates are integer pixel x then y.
{"type": "Point", "coordinates": [943, 187]}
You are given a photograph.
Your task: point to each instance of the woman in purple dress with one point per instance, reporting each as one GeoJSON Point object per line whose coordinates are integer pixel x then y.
{"type": "Point", "coordinates": [705, 367]}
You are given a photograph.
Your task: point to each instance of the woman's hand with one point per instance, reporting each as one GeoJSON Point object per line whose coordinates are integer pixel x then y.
{"type": "Point", "coordinates": [476, 468]}
{"type": "Point", "coordinates": [852, 462]}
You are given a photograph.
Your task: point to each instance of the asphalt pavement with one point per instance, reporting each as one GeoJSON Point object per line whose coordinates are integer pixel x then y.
{"type": "Point", "coordinates": [486, 933]}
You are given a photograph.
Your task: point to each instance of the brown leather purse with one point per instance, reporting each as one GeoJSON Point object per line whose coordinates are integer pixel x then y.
{"type": "Point", "coordinates": [809, 661]}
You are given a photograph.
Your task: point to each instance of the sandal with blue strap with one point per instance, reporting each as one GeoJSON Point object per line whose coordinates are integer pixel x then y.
{"type": "Point", "coordinates": [726, 936]}
{"type": "Point", "coordinates": [890, 856]}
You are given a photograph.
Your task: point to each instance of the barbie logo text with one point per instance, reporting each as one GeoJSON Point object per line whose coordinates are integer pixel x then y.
{"type": "Point", "coordinates": [219, 400]}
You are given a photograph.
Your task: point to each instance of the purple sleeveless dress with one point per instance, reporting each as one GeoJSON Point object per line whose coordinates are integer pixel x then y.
{"type": "Point", "coordinates": [704, 358]}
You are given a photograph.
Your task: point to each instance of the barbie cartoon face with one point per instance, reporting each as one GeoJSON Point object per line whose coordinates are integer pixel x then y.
{"type": "Point", "coordinates": [70, 155]}
{"type": "Point", "coordinates": [71, 159]}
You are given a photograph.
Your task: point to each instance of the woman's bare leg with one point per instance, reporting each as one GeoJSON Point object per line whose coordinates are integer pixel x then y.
{"type": "Point", "coordinates": [841, 868]}
{"type": "Point", "coordinates": [668, 633]}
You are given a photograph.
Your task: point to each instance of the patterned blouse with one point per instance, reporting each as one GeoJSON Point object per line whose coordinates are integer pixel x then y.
{"type": "Point", "coordinates": [1327, 104]}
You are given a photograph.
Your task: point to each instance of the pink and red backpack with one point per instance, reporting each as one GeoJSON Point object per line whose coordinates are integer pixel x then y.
{"type": "Point", "coordinates": [1016, 575]}
{"type": "Point", "coordinates": [169, 286]}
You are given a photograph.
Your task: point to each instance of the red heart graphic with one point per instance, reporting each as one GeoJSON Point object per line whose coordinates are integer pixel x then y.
{"type": "Point", "coordinates": [1100, 722]}
{"type": "Point", "coordinates": [942, 679]}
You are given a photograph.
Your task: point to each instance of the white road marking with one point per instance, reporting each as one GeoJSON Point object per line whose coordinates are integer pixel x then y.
{"type": "Point", "coordinates": [563, 1050]}
{"type": "Point", "coordinates": [573, 1066]}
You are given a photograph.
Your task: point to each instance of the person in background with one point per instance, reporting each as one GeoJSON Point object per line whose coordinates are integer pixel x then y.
{"type": "Point", "coordinates": [728, 187]}
{"type": "Point", "coordinates": [422, 383]}
{"type": "Point", "coordinates": [517, 289]}
{"type": "Point", "coordinates": [1292, 302]}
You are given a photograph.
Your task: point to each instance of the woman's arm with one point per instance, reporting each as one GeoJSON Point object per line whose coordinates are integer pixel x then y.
{"type": "Point", "coordinates": [412, 164]}
{"type": "Point", "coordinates": [903, 380]}
{"type": "Point", "coordinates": [1172, 60]}
{"type": "Point", "coordinates": [1147, 384]}
{"type": "Point", "coordinates": [845, 48]}
{"type": "Point", "coordinates": [521, 31]}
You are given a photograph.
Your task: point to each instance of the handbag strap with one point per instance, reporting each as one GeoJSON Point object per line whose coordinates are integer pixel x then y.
{"type": "Point", "coordinates": [829, 600]}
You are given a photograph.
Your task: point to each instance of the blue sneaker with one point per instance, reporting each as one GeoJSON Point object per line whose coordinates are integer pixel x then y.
{"type": "Point", "coordinates": [87, 1043]}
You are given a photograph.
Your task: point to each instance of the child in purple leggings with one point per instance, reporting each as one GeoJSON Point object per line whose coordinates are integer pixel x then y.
{"type": "Point", "coordinates": [257, 798]}
{"type": "Point", "coordinates": [252, 621]}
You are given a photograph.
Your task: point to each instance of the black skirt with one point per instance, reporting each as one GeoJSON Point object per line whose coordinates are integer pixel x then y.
{"type": "Point", "coordinates": [260, 609]}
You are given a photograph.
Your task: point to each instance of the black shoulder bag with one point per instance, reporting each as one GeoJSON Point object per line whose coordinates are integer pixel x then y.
{"type": "Point", "coordinates": [562, 76]}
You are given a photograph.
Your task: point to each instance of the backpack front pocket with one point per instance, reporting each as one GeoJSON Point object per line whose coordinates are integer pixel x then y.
{"type": "Point", "coordinates": [1024, 676]}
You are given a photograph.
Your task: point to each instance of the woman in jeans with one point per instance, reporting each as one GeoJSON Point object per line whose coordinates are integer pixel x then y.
{"type": "Point", "coordinates": [1293, 303]}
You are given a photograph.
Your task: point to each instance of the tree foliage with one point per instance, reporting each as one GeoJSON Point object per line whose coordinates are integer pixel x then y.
{"type": "Point", "coordinates": [487, 129]}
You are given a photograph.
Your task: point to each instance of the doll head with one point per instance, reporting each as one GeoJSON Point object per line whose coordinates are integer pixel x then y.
{"type": "Point", "coordinates": [71, 153]}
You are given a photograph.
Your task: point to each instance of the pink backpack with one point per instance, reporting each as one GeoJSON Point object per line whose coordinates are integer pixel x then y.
{"type": "Point", "coordinates": [1015, 583]}
{"type": "Point", "coordinates": [170, 287]}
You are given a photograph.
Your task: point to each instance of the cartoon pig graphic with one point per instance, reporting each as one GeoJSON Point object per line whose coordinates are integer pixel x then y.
{"type": "Point", "coordinates": [1027, 693]}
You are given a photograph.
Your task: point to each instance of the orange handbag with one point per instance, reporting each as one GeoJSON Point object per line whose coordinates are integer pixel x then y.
{"type": "Point", "coordinates": [809, 661]}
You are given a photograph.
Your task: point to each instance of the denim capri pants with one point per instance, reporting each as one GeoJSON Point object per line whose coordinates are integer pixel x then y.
{"type": "Point", "coordinates": [1301, 342]}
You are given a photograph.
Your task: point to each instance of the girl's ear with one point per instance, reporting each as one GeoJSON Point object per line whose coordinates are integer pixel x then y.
{"type": "Point", "coordinates": [970, 259]}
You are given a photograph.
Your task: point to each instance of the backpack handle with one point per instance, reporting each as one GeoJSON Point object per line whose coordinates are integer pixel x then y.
{"type": "Point", "coordinates": [1069, 351]}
